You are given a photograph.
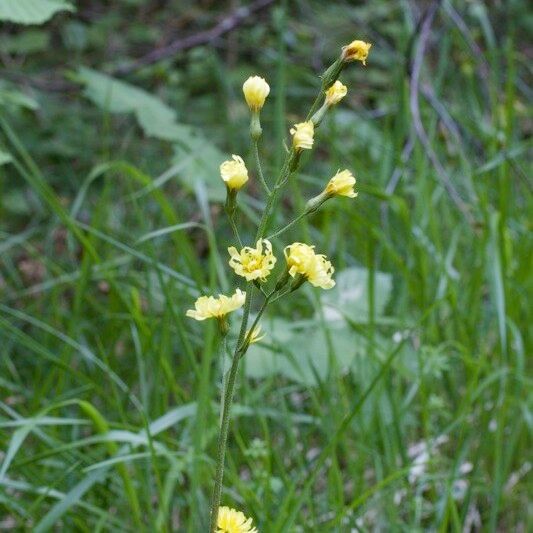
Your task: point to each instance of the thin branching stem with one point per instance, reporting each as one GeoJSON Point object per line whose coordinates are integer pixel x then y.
{"type": "Point", "coordinates": [255, 145]}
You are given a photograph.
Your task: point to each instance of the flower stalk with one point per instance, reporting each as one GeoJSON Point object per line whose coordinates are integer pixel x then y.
{"type": "Point", "coordinates": [256, 264]}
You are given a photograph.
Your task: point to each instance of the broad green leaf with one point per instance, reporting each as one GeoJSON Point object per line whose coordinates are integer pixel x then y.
{"type": "Point", "coordinates": [31, 11]}
{"type": "Point", "coordinates": [349, 297]}
{"type": "Point", "coordinates": [201, 159]}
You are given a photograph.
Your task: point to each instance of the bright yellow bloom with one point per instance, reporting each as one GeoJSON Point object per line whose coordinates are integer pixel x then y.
{"type": "Point", "coordinates": [356, 51]}
{"type": "Point", "coordinates": [256, 335]}
{"type": "Point", "coordinates": [253, 263]}
{"type": "Point", "coordinates": [211, 307]}
{"type": "Point", "coordinates": [341, 184]}
{"type": "Point", "coordinates": [303, 134]}
{"type": "Point", "coordinates": [232, 521]}
{"type": "Point", "coordinates": [255, 91]}
{"type": "Point", "coordinates": [301, 259]}
{"type": "Point", "coordinates": [234, 173]}
{"type": "Point", "coordinates": [336, 93]}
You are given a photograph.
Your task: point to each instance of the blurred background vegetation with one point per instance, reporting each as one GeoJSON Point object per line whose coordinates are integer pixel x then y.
{"type": "Point", "coordinates": [398, 401]}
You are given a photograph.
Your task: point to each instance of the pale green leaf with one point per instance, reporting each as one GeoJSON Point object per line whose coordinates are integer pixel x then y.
{"type": "Point", "coordinates": [31, 11]}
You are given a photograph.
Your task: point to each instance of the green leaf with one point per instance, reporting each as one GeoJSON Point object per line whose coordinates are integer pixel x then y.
{"type": "Point", "coordinates": [5, 157]}
{"type": "Point", "coordinates": [25, 42]}
{"type": "Point", "coordinates": [349, 297]}
{"type": "Point", "coordinates": [31, 11]}
{"type": "Point", "coordinates": [201, 157]}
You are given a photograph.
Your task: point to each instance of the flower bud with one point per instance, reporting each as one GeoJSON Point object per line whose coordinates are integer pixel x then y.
{"type": "Point", "coordinates": [234, 173]}
{"type": "Point", "coordinates": [255, 91]}
{"type": "Point", "coordinates": [336, 93]}
{"type": "Point", "coordinates": [356, 51]}
{"type": "Point", "coordinates": [341, 185]}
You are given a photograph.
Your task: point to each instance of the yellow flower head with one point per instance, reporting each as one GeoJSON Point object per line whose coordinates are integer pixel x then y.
{"type": "Point", "coordinates": [232, 521]}
{"type": "Point", "coordinates": [211, 307]}
{"type": "Point", "coordinates": [320, 272]}
{"type": "Point", "coordinates": [255, 91]}
{"type": "Point", "coordinates": [336, 93]}
{"type": "Point", "coordinates": [301, 259]}
{"type": "Point", "coordinates": [234, 173]}
{"type": "Point", "coordinates": [356, 51]}
{"type": "Point", "coordinates": [341, 184]}
{"type": "Point", "coordinates": [253, 263]}
{"type": "Point", "coordinates": [303, 134]}
{"type": "Point", "coordinates": [255, 335]}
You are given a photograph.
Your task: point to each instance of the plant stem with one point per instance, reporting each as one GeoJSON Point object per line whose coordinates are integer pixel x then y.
{"type": "Point", "coordinates": [226, 409]}
{"type": "Point", "coordinates": [235, 229]}
{"type": "Point", "coordinates": [289, 225]}
{"type": "Point", "coordinates": [259, 168]}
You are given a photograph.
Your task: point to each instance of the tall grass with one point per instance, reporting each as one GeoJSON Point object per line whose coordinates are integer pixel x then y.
{"type": "Point", "coordinates": [420, 422]}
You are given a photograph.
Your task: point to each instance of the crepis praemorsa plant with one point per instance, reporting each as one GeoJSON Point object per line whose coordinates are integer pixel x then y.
{"type": "Point", "coordinates": [256, 263]}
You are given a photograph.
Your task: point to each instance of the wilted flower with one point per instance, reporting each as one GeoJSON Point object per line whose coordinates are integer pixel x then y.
{"type": "Point", "coordinates": [253, 263]}
{"type": "Point", "coordinates": [255, 91]}
{"type": "Point", "coordinates": [341, 184]}
{"type": "Point", "coordinates": [356, 51]}
{"type": "Point", "coordinates": [336, 93]}
{"type": "Point", "coordinates": [301, 259]}
{"type": "Point", "coordinates": [303, 134]}
{"type": "Point", "coordinates": [211, 307]}
{"type": "Point", "coordinates": [234, 173]}
{"type": "Point", "coordinates": [232, 521]}
{"type": "Point", "coordinates": [255, 335]}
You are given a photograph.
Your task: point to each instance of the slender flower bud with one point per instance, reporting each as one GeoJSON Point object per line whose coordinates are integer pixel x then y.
{"type": "Point", "coordinates": [356, 51]}
{"type": "Point", "coordinates": [303, 134]}
{"type": "Point", "coordinates": [336, 93]}
{"type": "Point", "coordinates": [341, 184]}
{"type": "Point", "coordinates": [255, 91]}
{"type": "Point", "coordinates": [234, 173]}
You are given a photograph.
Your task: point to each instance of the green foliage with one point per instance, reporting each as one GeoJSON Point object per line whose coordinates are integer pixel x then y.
{"type": "Point", "coordinates": [398, 401]}
{"type": "Point", "coordinates": [31, 11]}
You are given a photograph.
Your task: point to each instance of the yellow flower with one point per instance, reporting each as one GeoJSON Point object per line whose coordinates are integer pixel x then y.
{"type": "Point", "coordinates": [232, 521]}
{"type": "Point", "coordinates": [211, 307]}
{"type": "Point", "coordinates": [255, 335]}
{"type": "Point", "coordinates": [255, 91]}
{"type": "Point", "coordinates": [336, 93]}
{"type": "Point", "coordinates": [320, 272]}
{"type": "Point", "coordinates": [234, 173]}
{"type": "Point", "coordinates": [341, 184]}
{"type": "Point", "coordinates": [299, 256]}
{"type": "Point", "coordinates": [253, 263]}
{"type": "Point", "coordinates": [356, 51]}
{"type": "Point", "coordinates": [303, 133]}
{"type": "Point", "coordinates": [301, 259]}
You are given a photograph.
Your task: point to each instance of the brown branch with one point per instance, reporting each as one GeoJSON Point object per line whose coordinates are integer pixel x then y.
{"type": "Point", "coordinates": [227, 24]}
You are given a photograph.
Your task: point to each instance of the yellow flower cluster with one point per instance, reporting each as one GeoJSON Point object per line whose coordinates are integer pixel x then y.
{"type": "Point", "coordinates": [255, 91]}
{"type": "Point", "coordinates": [336, 93]}
{"type": "Point", "coordinates": [253, 263]}
{"type": "Point", "coordinates": [234, 173]}
{"type": "Point", "coordinates": [232, 521]}
{"type": "Point", "coordinates": [341, 184]}
{"type": "Point", "coordinates": [356, 51]}
{"type": "Point", "coordinates": [302, 135]}
{"type": "Point", "coordinates": [211, 307]}
{"type": "Point", "coordinates": [302, 259]}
